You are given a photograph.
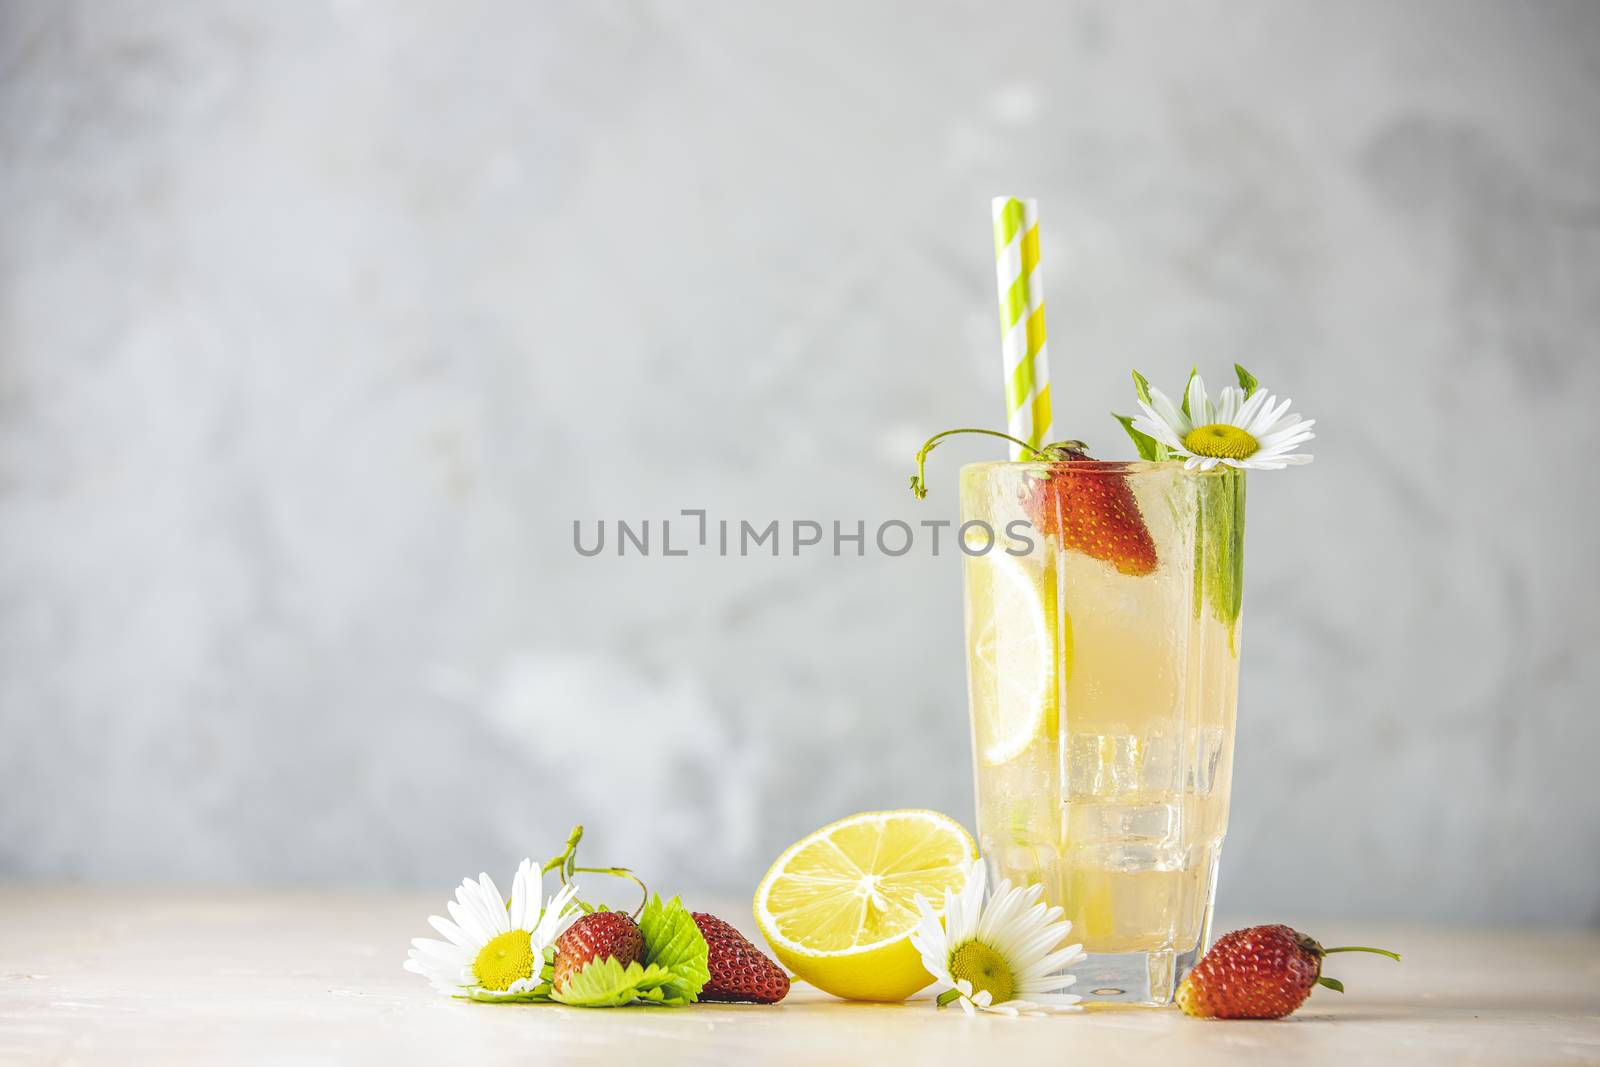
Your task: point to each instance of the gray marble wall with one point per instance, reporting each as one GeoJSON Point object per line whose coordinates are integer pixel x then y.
{"type": "Point", "coordinates": [321, 322]}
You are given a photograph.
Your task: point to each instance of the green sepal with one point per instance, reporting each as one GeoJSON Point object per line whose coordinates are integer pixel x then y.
{"type": "Point", "coordinates": [1332, 983]}
{"type": "Point", "coordinates": [673, 942]}
{"type": "Point", "coordinates": [1194, 372]}
{"type": "Point", "coordinates": [1247, 381]}
{"type": "Point", "coordinates": [1149, 448]}
{"type": "Point", "coordinates": [1141, 387]}
{"type": "Point", "coordinates": [608, 984]}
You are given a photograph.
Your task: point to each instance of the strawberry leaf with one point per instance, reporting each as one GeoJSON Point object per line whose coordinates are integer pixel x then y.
{"type": "Point", "coordinates": [539, 995]}
{"type": "Point", "coordinates": [674, 943]}
{"type": "Point", "coordinates": [608, 984]}
{"type": "Point", "coordinates": [1149, 448]}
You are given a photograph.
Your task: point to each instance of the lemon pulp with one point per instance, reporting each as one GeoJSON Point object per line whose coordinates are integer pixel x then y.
{"type": "Point", "coordinates": [1012, 655]}
{"type": "Point", "coordinates": [838, 905]}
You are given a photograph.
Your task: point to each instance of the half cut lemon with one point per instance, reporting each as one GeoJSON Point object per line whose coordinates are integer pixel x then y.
{"type": "Point", "coordinates": [837, 906]}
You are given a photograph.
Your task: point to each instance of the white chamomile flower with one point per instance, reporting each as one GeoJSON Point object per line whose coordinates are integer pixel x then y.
{"type": "Point", "coordinates": [1256, 432]}
{"type": "Point", "coordinates": [1006, 955]}
{"type": "Point", "coordinates": [493, 951]}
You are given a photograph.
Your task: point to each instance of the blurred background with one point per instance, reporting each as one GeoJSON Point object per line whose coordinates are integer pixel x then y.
{"type": "Point", "coordinates": [320, 324]}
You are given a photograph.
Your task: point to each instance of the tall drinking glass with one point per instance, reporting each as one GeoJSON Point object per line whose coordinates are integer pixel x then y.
{"type": "Point", "coordinates": [1103, 668]}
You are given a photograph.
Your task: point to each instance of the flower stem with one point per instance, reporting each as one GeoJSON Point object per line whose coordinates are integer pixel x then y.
{"type": "Point", "coordinates": [949, 996]}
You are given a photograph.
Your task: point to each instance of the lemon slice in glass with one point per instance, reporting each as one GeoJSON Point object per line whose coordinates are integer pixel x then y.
{"type": "Point", "coordinates": [837, 906]}
{"type": "Point", "coordinates": [1011, 654]}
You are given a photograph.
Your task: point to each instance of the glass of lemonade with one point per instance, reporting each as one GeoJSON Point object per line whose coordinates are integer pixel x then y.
{"type": "Point", "coordinates": [1103, 667]}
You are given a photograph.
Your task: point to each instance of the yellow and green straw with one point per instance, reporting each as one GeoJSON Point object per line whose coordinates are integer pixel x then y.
{"type": "Point", "coordinates": [1022, 337]}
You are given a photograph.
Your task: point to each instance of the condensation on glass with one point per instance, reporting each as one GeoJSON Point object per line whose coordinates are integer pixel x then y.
{"type": "Point", "coordinates": [1103, 704]}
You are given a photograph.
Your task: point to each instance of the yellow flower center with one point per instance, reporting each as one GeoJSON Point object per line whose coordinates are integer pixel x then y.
{"type": "Point", "coordinates": [504, 960]}
{"type": "Point", "coordinates": [1220, 441]}
{"type": "Point", "coordinates": [985, 969]}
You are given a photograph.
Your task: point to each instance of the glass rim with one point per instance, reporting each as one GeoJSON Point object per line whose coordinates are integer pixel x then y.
{"type": "Point", "coordinates": [1097, 466]}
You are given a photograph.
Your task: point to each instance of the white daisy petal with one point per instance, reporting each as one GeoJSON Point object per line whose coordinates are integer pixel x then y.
{"type": "Point", "coordinates": [1228, 401]}
{"type": "Point", "coordinates": [1057, 1001]}
{"type": "Point", "coordinates": [443, 951]}
{"type": "Point", "coordinates": [490, 895]}
{"type": "Point", "coordinates": [1262, 415]}
{"type": "Point", "coordinates": [517, 905]}
{"type": "Point", "coordinates": [452, 933]}
{"type": "Point", "coordinates": [1199, 407]}
{"type": "Point", "coordinates": [1158, 429]}
{"type": "Point", "coordinates": [1166, 411]}
{"type": "Point", "coordinates": [1249, 409]}
{"type": "Point", "coordinates": [467, 920]}
{"type": "Point", "coordinates": [1013, 923]}
{"type": "Point", "coordinates": [480, 914]}
{"type": "Point", "coordinates": [471, 898]}
{"type": "Point", "coordinates": [1271, 415]}
{"type": "Point", "coordinates": [559, 914]}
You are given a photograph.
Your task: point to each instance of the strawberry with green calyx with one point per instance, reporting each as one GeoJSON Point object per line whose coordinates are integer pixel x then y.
{"type": "Point", "coordinates": [1091, 509]}
{"type": "Point", "coordinates": [1264, 972]}
{"type": "Point", "coordinates": [606, 959]}
{"type": "Point", "coordinates": [739, 970]}
{"type": "Point", "coordinates": [599, 935]}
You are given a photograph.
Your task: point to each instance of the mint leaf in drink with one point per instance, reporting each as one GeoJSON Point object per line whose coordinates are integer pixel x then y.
{"type": "Point", "coordinates": [1219, 547]}
{"type": "Point", "coordinates": [673, 943]}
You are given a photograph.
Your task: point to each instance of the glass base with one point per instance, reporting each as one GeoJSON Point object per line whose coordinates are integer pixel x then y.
{"type": "Point", "coordinates": [1132, 979]}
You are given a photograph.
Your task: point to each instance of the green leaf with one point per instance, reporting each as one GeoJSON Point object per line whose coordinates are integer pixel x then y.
{"type": "Point", "coordinates": [1247, 381]}
{"type": "Point", "coordinates": [608, 984]}
{"type": "Point", "coordinates": [1149, 448]}
{"type": "Point", "coordinates": [1332, 983]}
{"type": "Point", "coordinates": [673, 942]}
{"type": "Point", "coordinates": [538, 995]}
{"type": "Point", "coordinates": [1194, 372]}
{"type": "Point", "coordinates": [671, 972]}
{"type": "Point", "coordinates": [1141, 387]}
{"type": "Point", "coordinates": [1219, 546]}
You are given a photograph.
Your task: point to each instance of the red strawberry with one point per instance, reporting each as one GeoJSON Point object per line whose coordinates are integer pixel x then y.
{"type": "Point", "coordinates": [1264, 972]}
{"type": "Point", "coordinates": [1093, 511]}
{"type": "Point", "coordinates": [739, 970]}
{"type": "Point", "coordinates": [594, 937]}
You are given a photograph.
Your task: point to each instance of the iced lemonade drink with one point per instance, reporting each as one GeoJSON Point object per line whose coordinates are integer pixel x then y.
{"type": "Point", "coordinates": [1103, 671]}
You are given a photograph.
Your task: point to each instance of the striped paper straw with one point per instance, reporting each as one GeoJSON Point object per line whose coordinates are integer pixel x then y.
{"type": "Point", "coordinates": [1027, 367]}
